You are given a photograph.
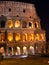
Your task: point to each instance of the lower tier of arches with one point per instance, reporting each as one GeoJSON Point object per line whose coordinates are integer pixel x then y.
{"type": "Point", "coordinates": [16, 50]}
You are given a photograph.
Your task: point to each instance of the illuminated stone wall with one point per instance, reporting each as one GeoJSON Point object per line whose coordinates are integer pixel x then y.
{"type": "Point", "coordinates": [22, 31]}
{"type": "Point", "coordinates": [14, 9]}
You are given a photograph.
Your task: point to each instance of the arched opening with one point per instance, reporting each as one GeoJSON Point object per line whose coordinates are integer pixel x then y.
{"type": "Point", "coordinates": [24, 10]}
{"type": "Point", "coordinates": [24, 24]}
{"type": "Point", "coordinates": [10, 24]}
{"type": "Point", "coordinates": [3, 20]}
{"type": "Point", "coordinates": [31, 37]}
{"type": "Point", "coordinates": [17, 37]}
{"type": "Point", "coordinates": [2, 24]}
{"type": "Point", "coordinates": [18, 51]}
{"type": "Point", "coordinates": [2, 37]}
{"type": "Point", "coordinates": [42, 37]}
{"type": "Point", "coordinates": [24, 37]}
{"type": "Point", "coordinates": [2, 50]}
{"type": "Point", "coordinates": [36, 48]}
{"type": "Point", "coordinates": [10, 36]}
{"type": "Point", "coordinates": [36, 25]}
{"type": "Point", "coordinates": [37, 37]}
{"type": "Point", "coordinates": [31, 49]}
{"type": "Point", "coordinates": [9, 50]}
{"type": "Point", "coordinates": [30, 24]}
{"type": "Point", "coordinates": [24, 50]}
{"type": "Point", "coordinates": [17, 24]}
{"type": "Point", "coordinates": [12, 51]}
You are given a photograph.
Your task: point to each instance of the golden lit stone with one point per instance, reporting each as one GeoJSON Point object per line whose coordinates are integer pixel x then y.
{"type": "Point", "coordinates": [31, 37]}
{"type": "Point", "coordinates": [31, 47]}
{"type": "Point", "coordinates": [18, 51]}
{"type": "Point", "coordinates": [17, 37]}
{"type": "Point", "coordinates": [37, 24]}
{"type": "Point", "coordinates": [2, 37]}
{"type": "Point", "coordinates": [24, 37]}
{"type": "Point", "coordinates": [18, 48]}
{"type": "Point", "coordinates": [37, 37]}
{"type": "Point", "coordinates": [10, 23]}
{"type": "Point", "coordinates": [17, 23]}
{"type": "Point", "coordinates": [10, 36]}
{"type": "Point", "coordinates": [31, 24]}
{"type": "Point", "coordinates": [42, 37]}
{"type": "Point", "coordinates": [24, 47]}
{"type": "Point", "coordinates": [2, 49]}
{"type": "Point", "coordinates": [24, 50]}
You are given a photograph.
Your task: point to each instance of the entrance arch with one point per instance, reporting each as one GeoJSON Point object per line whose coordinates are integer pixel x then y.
{"type": "Point", "coordinates": [2, 50]}
{"type": "Point", "coordinates": [18, 51]}
{"type": "Point", "coordinates": [9, 50]}
{"type": "Point", "coordinates": [24, 50]}
{"type": "Point", "coordinates": [31, 50]}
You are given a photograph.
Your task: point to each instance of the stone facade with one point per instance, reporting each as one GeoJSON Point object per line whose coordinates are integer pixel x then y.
{"type": "Point", "coordinates": [20, 29]}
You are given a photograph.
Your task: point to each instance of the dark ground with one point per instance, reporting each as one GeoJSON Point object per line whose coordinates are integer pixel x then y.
{"type": "Point", "coordinates": [26, 61]}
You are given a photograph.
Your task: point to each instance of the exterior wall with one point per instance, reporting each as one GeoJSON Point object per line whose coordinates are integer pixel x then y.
{"type": "Point", "coordinates": [17, 13]}
{"type": "Point", "coordinates": [16, 9]}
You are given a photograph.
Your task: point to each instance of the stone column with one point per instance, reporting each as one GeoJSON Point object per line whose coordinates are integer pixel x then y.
{"type": "Point", "coordinates": [6, 53]}
{"type": "Point", "coordinates": [44, 48]}
{"type": "Point", "coordinates": [27, 24]}
{"type": "Point", "coordinates": [21, 50]}
{"type": "Point", "coordinates": [21, 24]}
{"type": "Point", "coordinates": [36, 48]}
{"type": "Point", "coordinates": [39, 48]}
{"type": "Point", "coordinates": [12, 51]}
{"type": "Point", "coordinates": [28, 50]}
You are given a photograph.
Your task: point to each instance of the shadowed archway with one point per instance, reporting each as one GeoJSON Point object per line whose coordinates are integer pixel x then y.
{"type": "Point", "coordinates": [3, 20]}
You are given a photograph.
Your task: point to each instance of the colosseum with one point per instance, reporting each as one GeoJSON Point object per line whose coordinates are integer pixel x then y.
{"type": "Point", "coordinates": [20, 29]}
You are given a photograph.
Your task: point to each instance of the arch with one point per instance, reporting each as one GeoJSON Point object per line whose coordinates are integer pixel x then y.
{"type": "Point", "coordinates": [2, 37]}
{"type": "Point", "coordinates": [10, 23]}
{"type": "Point", "coordinates": [24, 50]}
{"type": "Point", "coordinates": [3, 20]}
{"type": "Point", "coordinates": [17, 36]}
{"type": "Point", "coordinates": [2, 49]}
{"type": "Point", "coordinates": [42, 37]}
{"type": "Point", "coordinates": [24, 24]}
{"type": "Point", "coordinates": [31, 49]}
{"type": "Point", "coordinates": [24, 37]}
{"type": "Point", "coordinates": [31, 37]}
{"type": "Point", "coordinates": [17, 23]}
{"type": "Point", "coordinates": [9, 51]}
{"type": "Point", "coordinates": [18, 50]}
{"type": "Point", "coordinates": [36, 47]}
{"type": "Point", "coordinates": [31, 24]}
{"type": "Point", "coordinates": [37, 37]}
{"type": "Point", "coordinates": [10, 36]}
{"type": "Point", "coordinates": [36, 25]}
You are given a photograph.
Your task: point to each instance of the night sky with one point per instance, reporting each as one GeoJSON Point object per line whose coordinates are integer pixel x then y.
{"type": "Point", "coordinates": [42, 8]}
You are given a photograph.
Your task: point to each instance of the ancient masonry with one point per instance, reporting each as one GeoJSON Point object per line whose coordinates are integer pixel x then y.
{"type": "Point", "coordinates": [20, 29]}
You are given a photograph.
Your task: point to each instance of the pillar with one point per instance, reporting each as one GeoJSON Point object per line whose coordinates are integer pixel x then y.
{"type": "Point", "coordinates": [6, 52]}
{"type": "Point", "coordinates": [12, 51]}
{"type": "Point", "coordinates": [44, 48]}
{"type": "Point", "coordinates": [39, 47]}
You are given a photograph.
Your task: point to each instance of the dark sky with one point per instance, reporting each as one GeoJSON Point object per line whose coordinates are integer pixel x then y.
{"type": "Point", "coordinates": [42, 8]}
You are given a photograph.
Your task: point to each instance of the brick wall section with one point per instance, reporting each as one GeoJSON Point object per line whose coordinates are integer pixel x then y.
{"type": "Point", "coordinates": [17, 9]}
